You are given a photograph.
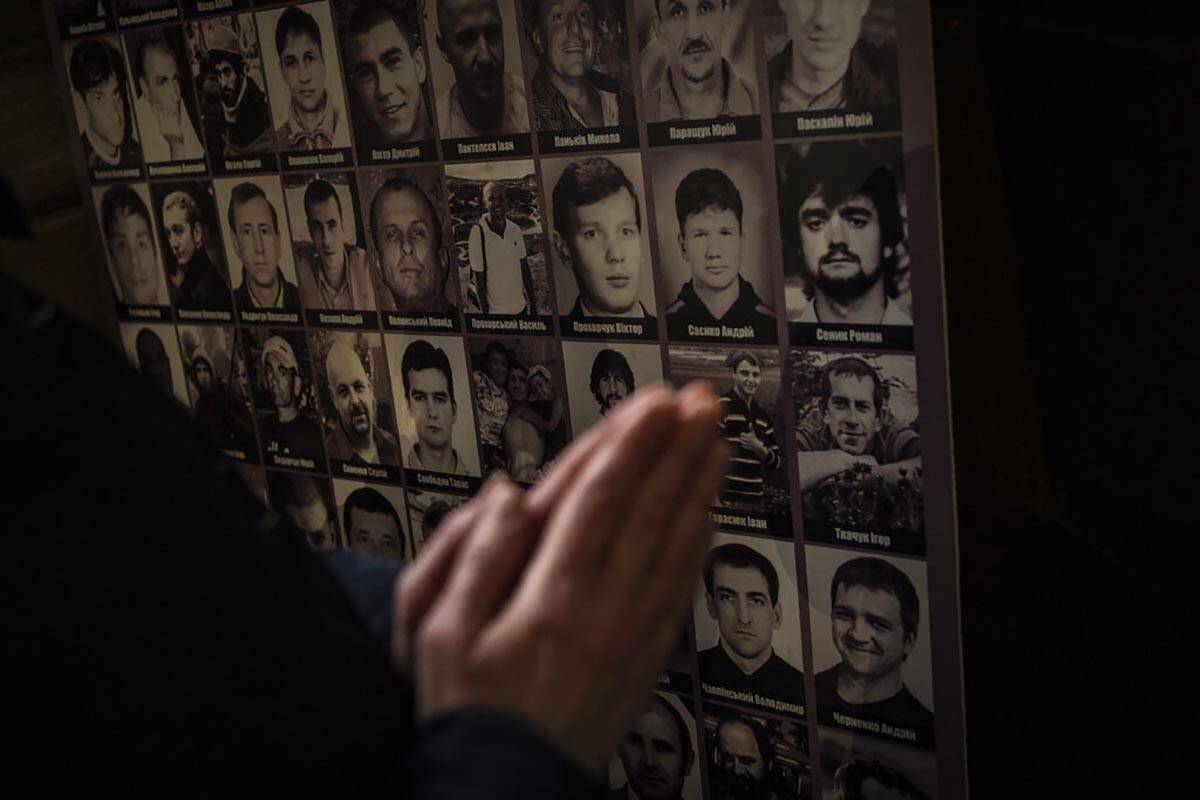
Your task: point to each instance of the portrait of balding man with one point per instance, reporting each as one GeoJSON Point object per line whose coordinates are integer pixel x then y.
{"type": "Point", "coordinates": [356, 437]}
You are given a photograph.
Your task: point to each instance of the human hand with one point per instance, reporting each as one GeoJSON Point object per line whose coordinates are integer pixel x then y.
{"type": "Point", "coordinates": [754, 444]}
{"type": "Point", "coordinates": [170, 121]}
{"type": "Point", "coordinates": [566, 625]}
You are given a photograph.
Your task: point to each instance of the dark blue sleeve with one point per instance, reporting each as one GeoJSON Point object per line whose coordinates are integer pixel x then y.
{"type": "Point", "coordinates": [479, 753]}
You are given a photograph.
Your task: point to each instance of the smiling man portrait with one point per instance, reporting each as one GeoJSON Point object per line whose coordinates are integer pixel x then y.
{"type": "Point", "coordinates": [386, 72]}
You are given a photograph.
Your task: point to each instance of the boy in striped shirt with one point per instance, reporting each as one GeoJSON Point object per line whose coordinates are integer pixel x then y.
{"type": "Point", "coordinates": [751, 435]}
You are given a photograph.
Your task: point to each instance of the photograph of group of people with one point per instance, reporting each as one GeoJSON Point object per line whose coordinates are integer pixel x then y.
{"type": "Point", "coordinates": [381, 250]}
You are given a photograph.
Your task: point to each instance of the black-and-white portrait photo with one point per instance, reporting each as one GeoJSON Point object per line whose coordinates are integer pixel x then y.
{"type": "Point", "coordinates": [747, 381]}
{"type": "Point", "coordinates": [131, 249]}
{"type": "Point", "coordinates": [715, 263]}
{"type": "Point", "coordinates": [858, 449]}
{"type": "Point", "coordinates": [601, 246]}
{"type": "Point", "coordinates": [227, 64]}
{"type": "Point", "coordinates": [82, 17]}
{"type": "Point", "coordinates": [426, 510]}
{"type": "Point", "coordinates": [748, 633]}
{"type": "Point", "coordinates": [304, 79]}
{"type": "Point", "coordinates": [407, 234]}
{"type": "Point", "coordinates": [189, 232]}
{"type": "Point", "coordinates": [257, 249]}
{"type": "Point", "coordinates": [327, 243]}
{"type": "Point", "coordinates": [355, 395]}
{"type": "Point", "coordinates": [497, 223]}
{"type": "Point", "coordinates": [755, 757]}
{"type": "Point", "coordinates": [854, 765]}
{"type": "Point", "coordinates": [657, 759]}
{"type": "Point", "coordinates": [476, 69]}
{"type": "Point", "coordinates": [832, 62]}
{"type": "Point", "coordinates": [433, 405]}
{"type": "Point", "coordinates": [307, 502]}
{"type": "Point", "coordinates": [219, 384]}
{"type": "Point", "coordinates": [135, 13]}
{"type": "Point", "coordinates": [387, 76]}
{"type": "Point", "coordinates": [285, 398]}
{"type": "Point", "coordinates": [372, 518]}
{"type": "Point", "coordinates": [581, 73]}
{"type": "Point", "coordinates": [842, 218]}
{"type": "Point", "coordinates": [698, 59]}
{"type": "Point", "coordinates": [601, 375]}
{"type": "Point", "coordinates": [520, 401]}
{"type": "Point", "coordinates": [164, 97]}
{"type": "Point", "coordinates": [101, 96]}
{"type": "Point", "coordinates": [154, 352]}
{"type": "Point", "coordinates": [871, 649]}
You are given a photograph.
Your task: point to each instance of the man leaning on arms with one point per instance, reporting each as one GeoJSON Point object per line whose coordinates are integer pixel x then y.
{"type": "Point", "coordinates": [528, 633]}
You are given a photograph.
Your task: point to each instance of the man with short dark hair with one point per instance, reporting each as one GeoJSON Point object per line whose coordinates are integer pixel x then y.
{"type": "Point", "coordinates": [742, 597]}
{"type": "Point", "coordinates": [598, 236]}
{"type": "Point", "coordinates": [163, 118]}
{"type": "Point", "coordinates": [372, 526]}
{"type": "Point", "coordinates": [331, 272]}
{"type": "Point", "coordinates": [485, 99]}
{"type": "Point", "coordinates": [254, 225]}
{"type": "Point", "coordinates": [246, 118]}
{"type": "Point", "coordinates": [129, 240]}
{"type": "Point", "coordinates": [656, 754]}
{"type": "Point", "coordinates": [841, 217]}
{"type": "Point", "coordinates": [357, 438]}
{"type": "Point", "coordinates": [611, 379]}
{"type": "Point", "coordinates": [708, 208]}
{"type": "Point", "coordinates": [698, 83]}
{"type": "Point", "coordinates": [856, 428]}
{"type": "Point", "coordinates": [744, 757]}
{"type": "Point", "coordinates": [568, 92]}
{"type": "Point", "coordinates": [413, 266]}
{"type": "Point", "coordinates": [97, 73]}
{"type": "Point", "coordinates": [826, 64]}
{"type": "Point", "coordinates": [313, 122]}
{"type": "Point", "coordinates": [875, 614]}
{"type": "Point", "coordinates": [287, 433]}
{"type": "Point", "coordinates": [498, 258]}
{"type": "Point", "coordinates": [307, 505]}
{"type": "Point", "coordinates": [429, 391]}
{"type": "Point", "coordinates": [385, 66]}
{"type": "Point", "coordinates": [750, 432]}
{"type": "Point", "coordinates": [194, 279]}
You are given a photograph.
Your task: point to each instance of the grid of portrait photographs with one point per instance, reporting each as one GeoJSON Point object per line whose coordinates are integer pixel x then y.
{"type": "Point", "coordinates": [383, 249]}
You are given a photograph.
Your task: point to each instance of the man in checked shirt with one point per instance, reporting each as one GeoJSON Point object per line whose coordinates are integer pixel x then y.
{"type": "Point", "coordinates": [750, 432]}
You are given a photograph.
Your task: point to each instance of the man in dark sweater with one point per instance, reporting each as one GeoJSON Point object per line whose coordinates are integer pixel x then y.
{"type": "Point", "coordinates": [875, 615]}
{"type": "Point", "coordinates": [742, 595]}
{"type": "Point", "coordinates": [179, 637]}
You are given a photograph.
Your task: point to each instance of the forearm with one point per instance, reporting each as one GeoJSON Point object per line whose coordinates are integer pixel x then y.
{"type": "Point", "coordinates": [481, 288]}
{"type": "Point", "coordinates": [891, 473]}
{"type": "Point", "coordinates": [527, 279]}
{"type": "Point", "coordinates": [815, 467]}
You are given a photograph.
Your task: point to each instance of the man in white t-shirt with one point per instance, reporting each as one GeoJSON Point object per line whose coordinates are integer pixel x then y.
{"type": "Point", "coordinates": [499, 262]}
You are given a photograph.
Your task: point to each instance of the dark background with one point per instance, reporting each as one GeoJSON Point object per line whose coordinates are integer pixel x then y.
{"type": "Point", "coordinates": [1069, 183]}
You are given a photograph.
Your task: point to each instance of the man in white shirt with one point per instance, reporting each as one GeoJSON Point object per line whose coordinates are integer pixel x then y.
{"type": "Point", "coordinates": [499, 261]}
{"type": "Point", "coordinates": [485, 100]}
{"type": "Point", "coordinates": [168, 133]}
